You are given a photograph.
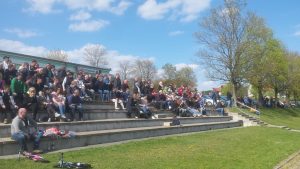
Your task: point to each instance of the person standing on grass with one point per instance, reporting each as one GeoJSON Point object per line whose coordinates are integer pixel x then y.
{"type": "Point", "coordinates": [20, 128]}
{"type": "Point", "coordinates": [229, 99]}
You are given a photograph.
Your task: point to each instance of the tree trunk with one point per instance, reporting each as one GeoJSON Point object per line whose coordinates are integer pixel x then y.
{"type": "Point", "coordinates": [260, 96]}
{"type": "Point", "coordinates": [276, 96]}
{"type": "Point", "coordinates": [234, 92]}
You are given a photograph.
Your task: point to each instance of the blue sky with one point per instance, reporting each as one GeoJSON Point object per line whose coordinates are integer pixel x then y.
{"type": "Point", "coordinates": [158, 29]}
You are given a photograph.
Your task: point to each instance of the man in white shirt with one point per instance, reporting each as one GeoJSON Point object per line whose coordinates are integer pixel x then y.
{"type": "Point", "coordinates": [6, 62]}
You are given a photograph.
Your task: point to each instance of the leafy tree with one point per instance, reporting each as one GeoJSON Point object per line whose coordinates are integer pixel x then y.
{"type": "Point", "coordinates": [226, 35]}
{"type": "Point", "coordinates": [293, 76]}
{"type": "Point", "coordinates": [186, 76]}
{"type": "Point", "coordinates": [277, 67]}
{"type": "Point", "coordinates": [169, 71]}
{"type": "Point", "coordinates": [259, 70]}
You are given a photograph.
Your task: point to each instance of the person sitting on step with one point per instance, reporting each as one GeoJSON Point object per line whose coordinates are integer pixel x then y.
{"type": "Point", "coordinates": [59, 101]}
{"type": "Point", "coordinates": [220, 108]}
{"type": "Point", "coordinates": [8, 105]}
{"type": "Point", "coordinates": [30, 102]}
{"type": "Point", "coordinates": [75, 105]}
{"type": "Point", "coordinates": [118, 92]}
{"type": "Point", "coordinates": [20, 132]}
{"type": "Point", "coordinates": [45, 102]}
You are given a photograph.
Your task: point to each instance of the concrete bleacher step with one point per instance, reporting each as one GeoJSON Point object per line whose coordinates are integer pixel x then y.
{"type": "Point", "coordinates": [96, 125]}
{"type": "Point", "coordinates": [10, 147]}
{"type": "Point", "coordinates": [94, 114]}
{"type": "Point", "coordinates": [98, 107]}
{"type": "Point", "coordinates": [163, 114]}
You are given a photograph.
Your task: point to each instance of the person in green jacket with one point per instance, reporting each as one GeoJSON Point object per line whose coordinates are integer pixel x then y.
{"type": "Point", "coordinates": [18, 89]}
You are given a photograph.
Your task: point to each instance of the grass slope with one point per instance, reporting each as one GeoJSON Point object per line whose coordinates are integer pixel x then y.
{"type": "Point", "coordinates": [283, 117]}
{"type": "Point", "coordinates": [242, 148]}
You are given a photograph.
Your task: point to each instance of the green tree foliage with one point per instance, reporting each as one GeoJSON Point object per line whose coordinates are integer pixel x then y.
{"type": "Point", "coordinates": [169, 71]}
{"type": "Point", "coordinates": [277, 66]}
{"type": "Point", "coordinates": [293, 76]}
{"type": "Point", "coordinates": [184, 76]}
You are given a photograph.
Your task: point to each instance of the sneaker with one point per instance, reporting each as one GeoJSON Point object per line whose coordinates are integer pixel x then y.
{"type": "Point", "coordinates": [26, 153]}
{"type": "Point", "coordinates": [49, 120]}
{"type": "Point", "coordinates": [57, 114]}
{"type": "Point", "coordinates": [37, 151]}
{"type": "Point", "coordinates": [117, 108]}
{"type": "Point", "coordinates": [63, 116]}
{"type": "Point", "coordinates": [5, 121]}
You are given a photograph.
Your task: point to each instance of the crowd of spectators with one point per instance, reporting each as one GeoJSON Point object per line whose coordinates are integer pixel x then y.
{"type": "Point", "coordinates": [28, 90]}
{"type": "Point", "coordinates": [38, 89]}
{"type": "Point", "coordinates": [60, 92]}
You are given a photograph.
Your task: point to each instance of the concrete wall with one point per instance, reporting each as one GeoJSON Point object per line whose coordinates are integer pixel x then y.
{"type": "Point", "coordinates": [92, 138]}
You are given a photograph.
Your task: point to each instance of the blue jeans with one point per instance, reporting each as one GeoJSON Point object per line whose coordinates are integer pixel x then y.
{"type": "Point", "coordinates": [74, 109]}
{"type": "Point", "coordinates": [105, 95]}
{"type": "Point", "coordinates": [100, 94]}
{"type": "Point", "coordinates": [61, 109]}
{"type": "Point", "coordinates": [220, 111]}
{"type": "Point", "coordinates": [22, 139]}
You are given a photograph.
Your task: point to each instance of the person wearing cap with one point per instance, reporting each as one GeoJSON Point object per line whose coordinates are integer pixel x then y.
{"type": "Point", "coordinates": [6, 62]}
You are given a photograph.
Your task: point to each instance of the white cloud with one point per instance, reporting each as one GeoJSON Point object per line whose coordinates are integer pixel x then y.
{"type": "Point", "coordinates": [21, 33]}
{"type": "Point", "coordinates": [88, 26]}
{"type": "Point", "coordinates": [47, 6]}
{"type": "Point", "coordinates": [184, 10]}
{"type": "Point", "coordinates": [176, 33]}
{"type": "Point", "coordinates": [75, 55]}
{"type": "Point", "coordinates": [19, 47]}
{"type": "Point", "coordinates": [207, 85]}
{"type": "Point", "coordinates": [179, 66]}
{"type": "Point", "coordinates": [80, 16]}
{"type": "Point", "coordinates": [41, 6]}
{"type": "Point", "coordinates": [113, 58]}
{"type": "Point", "coordinates": [99, 5]}
{"type": "Point", "coordinates": [297, 33]}
{"type": "Point", "coordinates": [121, 7]}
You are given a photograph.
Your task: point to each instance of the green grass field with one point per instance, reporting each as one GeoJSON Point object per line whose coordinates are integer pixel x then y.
{"type": "Point", "coordinates": [277, 116]}
{"type": "Point", "coordinates": [241, 148]}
